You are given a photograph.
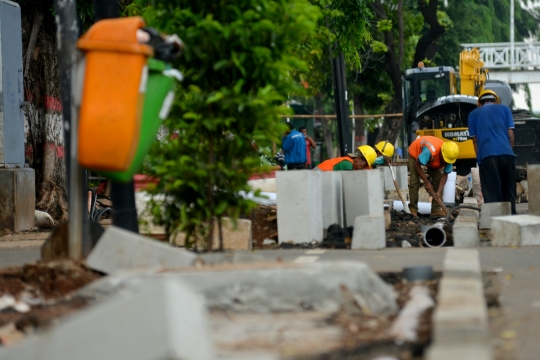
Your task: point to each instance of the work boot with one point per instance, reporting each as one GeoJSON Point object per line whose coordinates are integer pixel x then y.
{"type": "Point", "coordinates": [414, 212]}
{"type": "Point", "coordinates": [437, 214]}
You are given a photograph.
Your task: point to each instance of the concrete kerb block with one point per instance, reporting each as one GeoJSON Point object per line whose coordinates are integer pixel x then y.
{"type": "Point", "coordinates": [533, 180]}
{"type": "Point", "coordinates": [362, 194]}
{"type": "Point", "coordinates": [332, 198]}
{"type": "Point", "coordinates": [369, 233]}
{"type": "Point", "coordinates": [162, 319]}
{"type": "Point", "coordinates": [460, 320]}
{"type": "Point", "coordinates": [299, 204]}
{"type": "Point", "coordinates": [465, 232]}
{"type": "Point", "coordinates": [401, 173]}
{"type": "Point", "coordinates": [515, 230]}
{"type": "Point", "coordinates": [490, 210]}
{"type": "Point", "coordinates": [119, 249]}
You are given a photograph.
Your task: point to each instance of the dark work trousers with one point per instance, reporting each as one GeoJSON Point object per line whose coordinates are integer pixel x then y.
{"type": "Point", "coordinates": [498, 179]}
{"type": "Point", "coordinates": [296, 166]}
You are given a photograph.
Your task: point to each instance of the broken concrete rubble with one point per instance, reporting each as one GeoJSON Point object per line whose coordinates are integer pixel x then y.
{"type": "Point", "coordinates": [119, 249]}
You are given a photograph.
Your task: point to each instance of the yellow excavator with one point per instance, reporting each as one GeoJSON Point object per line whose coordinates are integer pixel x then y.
{"type": "Point", "coordinates": [433, 105]}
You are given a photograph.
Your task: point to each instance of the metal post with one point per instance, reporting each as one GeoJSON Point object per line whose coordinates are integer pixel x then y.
{"type": "Point", "coordinates": [342, 110]}
{"type": "Point", "coordinates": [123, 195]}
{"type": "Point", "coordinates": [68, 32]}
{"type": "Point", "coordinates": [512, 56]}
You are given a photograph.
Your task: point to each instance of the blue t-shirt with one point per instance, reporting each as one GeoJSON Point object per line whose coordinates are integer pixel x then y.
{"type": "Point", "coordinates": [294, 147]}
{"type": "Point", "coordinates": [490, 124]}
{"type": "Point", "coordinates": [425, 156]}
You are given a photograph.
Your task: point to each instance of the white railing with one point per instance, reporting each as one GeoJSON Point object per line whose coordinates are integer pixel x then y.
{"type": "Point", "coordinates": [526, 56]}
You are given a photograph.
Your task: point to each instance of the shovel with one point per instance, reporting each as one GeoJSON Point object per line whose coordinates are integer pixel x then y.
{"type": "Point", "coordinates": [441, 204]}
{"type": "Point", "coordinates": [405, 206]}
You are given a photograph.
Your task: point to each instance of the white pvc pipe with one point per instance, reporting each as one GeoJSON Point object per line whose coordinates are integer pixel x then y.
{"type": "Point", "coordinates": [449, 194]}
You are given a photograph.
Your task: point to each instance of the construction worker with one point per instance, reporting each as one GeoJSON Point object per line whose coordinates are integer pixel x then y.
{"type": "Point", "coordinates": [385, 152]}
{"type": "Point", "coordinates": [435, 154]}
{"type": "Point", "coordinates": [362, 159]}
{"type": "Point", "coordinates": [294, 148]}
{"type": "Point", "coordinates": [491, 128]}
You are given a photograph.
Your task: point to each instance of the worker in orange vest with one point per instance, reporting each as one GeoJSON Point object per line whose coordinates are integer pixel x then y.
{"type": "Point", "coordinates": [435, 154]}
{"type": "Point", "coordinates": [362, 159]}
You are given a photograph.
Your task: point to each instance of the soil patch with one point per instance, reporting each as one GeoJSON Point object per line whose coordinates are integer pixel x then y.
{"type": "Point", "coordinates": [45, 292]}
{"type": "Point", "coordinates": [263, 224]}
{"type": "Point", "coordinates": [407, 227]}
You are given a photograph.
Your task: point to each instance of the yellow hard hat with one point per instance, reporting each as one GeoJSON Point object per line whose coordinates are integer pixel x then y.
{"type": "Point", "coordinates": [368, 153]}
{"type": "Point", "coordinates": [450, 152]}
{"type": "Point", "coordinates": [385, 148]}
{"type": "Point", "coordinates": [488, 94]}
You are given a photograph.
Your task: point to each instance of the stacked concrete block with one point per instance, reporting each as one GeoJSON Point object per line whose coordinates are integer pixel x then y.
{"type": "Point", "coordinates": [515, 230]}
{"type": "Point", "coordinates": [369, 232]}
{"type": "Point", "coordinates": [490, 210]}
{"type": "Point", "coordinates": [401, 173]}
{"type": "Point", "coordinates": [363, 194]}
{"type": "Point", "coordinates": [119, 249]}
{"type": "Point", "coordinates": [533, 180]}
{"type": "Point", "coordinates": [465, 229]}
{"type": "Point", "coordinates": [460, 322]}
{"type": "Point", "coordinates": [332, 198]}
{"type": "Point", "coordinates": [299, 204]}
{"type": "Point", "coordinates": [160, 320]}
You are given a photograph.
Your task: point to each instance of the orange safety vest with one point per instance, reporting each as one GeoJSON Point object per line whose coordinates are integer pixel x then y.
{"type": "Point", "coordinates": [434, 145]}
{"type": "Point", "coordinates": [328, 165]}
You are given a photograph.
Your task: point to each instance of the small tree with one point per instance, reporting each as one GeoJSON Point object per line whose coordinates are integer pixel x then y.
{"type": "Point", "coordinates": [237, 63]}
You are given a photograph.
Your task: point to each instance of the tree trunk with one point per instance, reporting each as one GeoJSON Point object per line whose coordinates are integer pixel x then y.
{"type": "Point", "coordinates": [326, 127]}
{"type": "Point", "coordinates": [428, 43]}
{"type": "Point", "coordinates": [359, 138]}
{"type": "Point", "coordinates": [44, 147]}
{"type": "Point", "coordinates": [391, 126]}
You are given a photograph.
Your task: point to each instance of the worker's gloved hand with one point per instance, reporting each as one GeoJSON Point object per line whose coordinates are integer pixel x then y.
{"type": "Point", "coordinates": [428, 187]}
{"type": "Point", "coordinates": [387, 160]}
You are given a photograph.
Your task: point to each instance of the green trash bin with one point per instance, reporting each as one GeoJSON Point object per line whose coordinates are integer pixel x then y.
{"type": "Point", "coordinates": [157, 102]}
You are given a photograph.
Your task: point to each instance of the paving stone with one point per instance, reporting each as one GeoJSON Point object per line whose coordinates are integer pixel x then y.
{"type": "Point", "coordinates": [533, 180]}
{"type": "Point", "coordinates": [119, 249]}
{"type": "Point", "coordinates": [362, 194]}
{"type": "Point", "coordinates": [465, 232]}
{"type": "Point", "coordinates": [332, 198]}
{"type": "Point", "coordinates": [369, 232]}
{"type": "Point", "coordinates": [299, 205]}
{"type": "Point", "coordinates": [493, 209]}
{"type": "Point", "coordinates": [460, 322]}
{"type": "Point", "coordinates": [515, 230]}
{"type": "Point", "coordinates": [156, 320]}
{"type": "Point", "coordinates": [470, 201]}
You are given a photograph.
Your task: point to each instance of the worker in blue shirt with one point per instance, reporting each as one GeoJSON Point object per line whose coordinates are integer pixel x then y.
{"type": "Point", "coordinates": [385, 152]}
{"type": "Point", "coordinates": [491, 128]}
{"type": "Point", "coordinates": [294, 147]}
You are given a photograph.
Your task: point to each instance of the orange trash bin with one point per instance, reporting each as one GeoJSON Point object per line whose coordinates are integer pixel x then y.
{"type": "Point", "coordinates": [113, 94]}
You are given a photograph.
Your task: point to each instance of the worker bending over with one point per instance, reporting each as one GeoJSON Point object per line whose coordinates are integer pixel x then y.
{"type": "Point", "coordinates": [435, 154]}
{"type": "Point", "coordinates": [362, 159]}
{"type": "Point", "coordinates": [385, 152]}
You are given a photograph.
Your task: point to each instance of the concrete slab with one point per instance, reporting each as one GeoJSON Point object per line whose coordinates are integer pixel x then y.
{"type": "Point", "coordinates": [465, 232]}
{"type": "Point", "coordinates": [17, 199]}
{"type": "Point", "coordinates": [493, 209]}
{"type": "Point", "coordinates": [160, 320]}
{"type": "Point", "coordinates": [332, 198]}
{"type": "Point", "coordinates": [276, 288]}
{"type": "Point", "coordinates": [401, 173]}
{"type": "Point", "coordinates": [470, 201]}
{"type": "Point", "coordinates": [515, 230]}
{"type": "Point", "coordinates": [299, 205]}
{"type": "Point", "coordinates": [362, 194]}
{"type": "Point", "coordinates": [533, 181]}
{"type": "Point", "coordinates": [369, 233]}
{"type": "Point", "coordinates": [119, 249]}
